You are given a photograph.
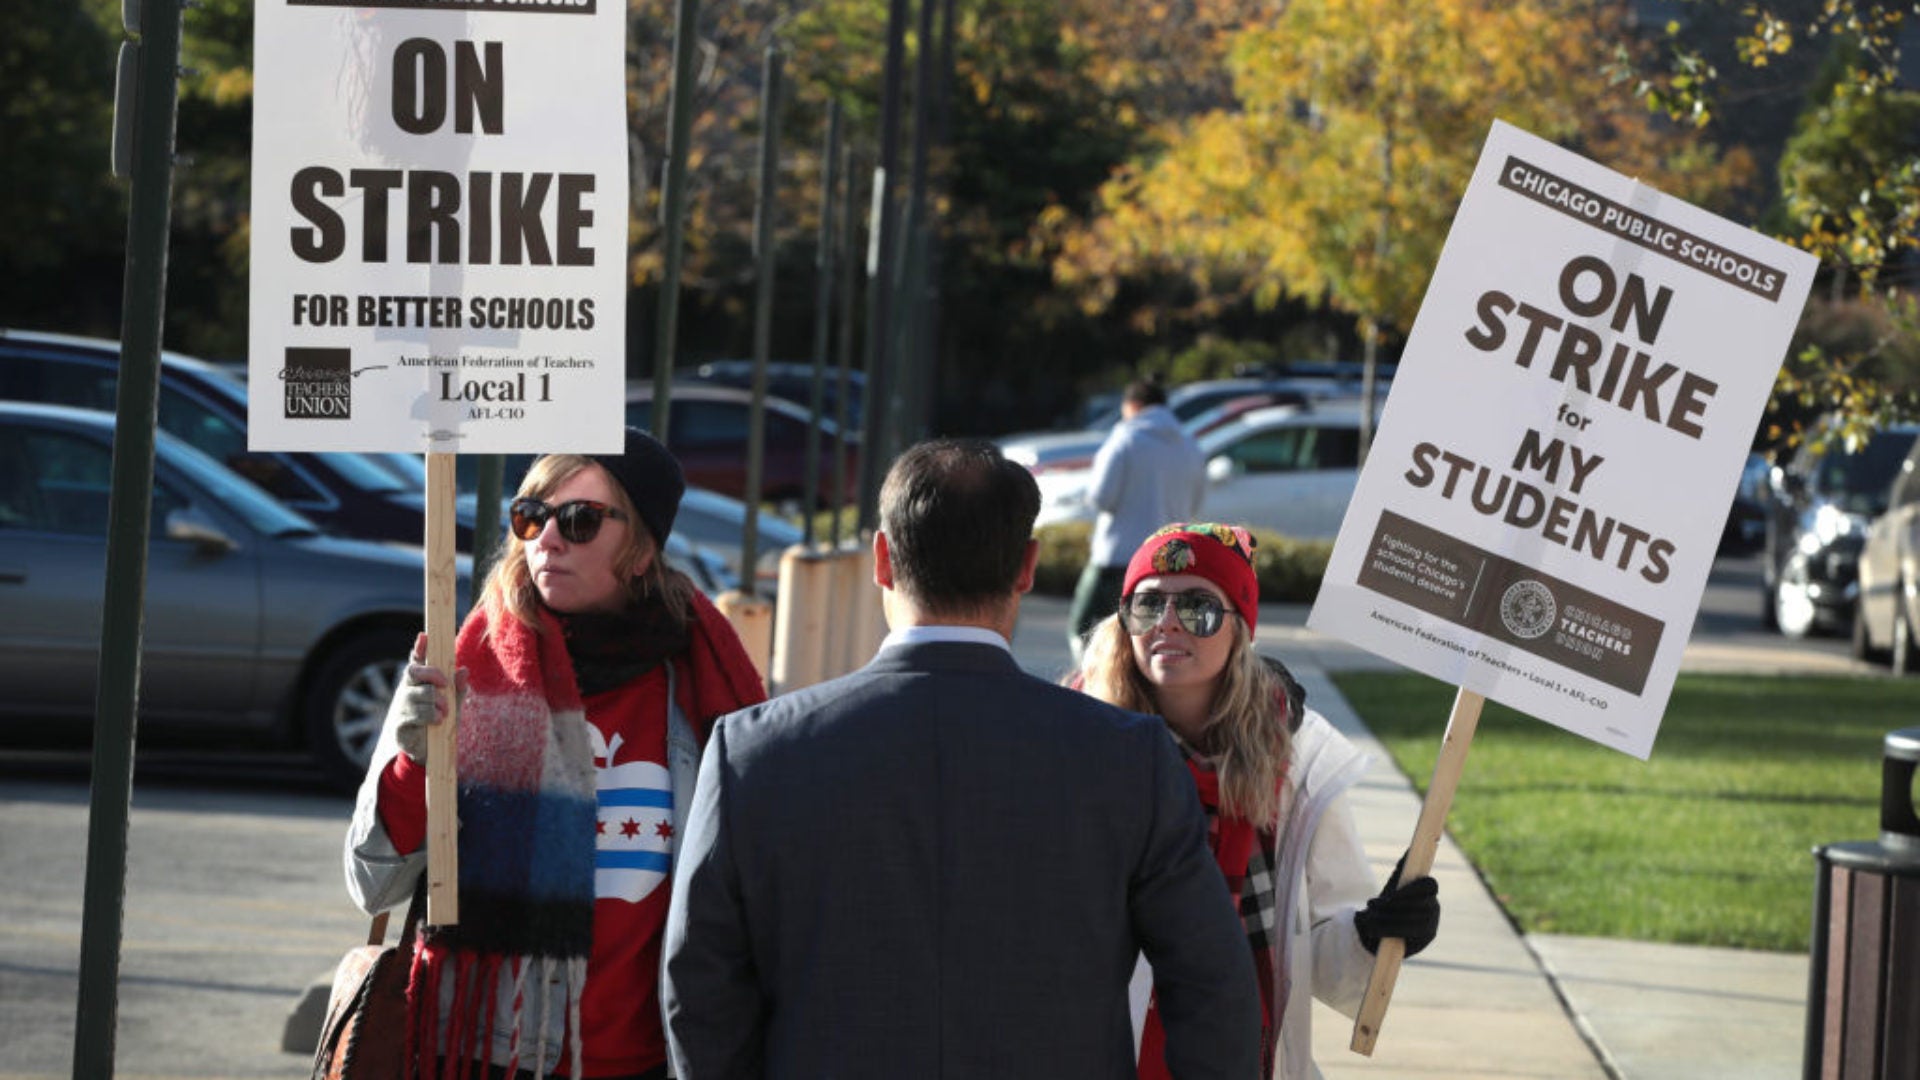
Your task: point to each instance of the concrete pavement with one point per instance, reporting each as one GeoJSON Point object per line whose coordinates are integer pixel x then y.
{"type": "Point", "coordinates": [1487, 1001]}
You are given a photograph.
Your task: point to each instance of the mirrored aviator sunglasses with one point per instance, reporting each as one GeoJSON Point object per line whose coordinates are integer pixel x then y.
{"type": "Point", "coordinates": [579, 519]}
{"type": "Point", "coordinates": [1199, 612]}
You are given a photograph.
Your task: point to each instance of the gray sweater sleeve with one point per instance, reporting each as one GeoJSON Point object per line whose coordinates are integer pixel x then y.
{"type": "Point", "coordinates": [378, 877]}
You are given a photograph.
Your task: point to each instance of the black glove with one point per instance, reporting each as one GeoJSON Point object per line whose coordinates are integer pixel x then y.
{"type": "Point", "coordinates": [1410, 912]}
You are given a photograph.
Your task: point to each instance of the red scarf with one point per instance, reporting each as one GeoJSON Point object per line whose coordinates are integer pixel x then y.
{"type": "Point", "coordinates": [1231, 840]}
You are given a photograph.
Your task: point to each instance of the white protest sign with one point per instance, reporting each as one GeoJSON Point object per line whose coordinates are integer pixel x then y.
{"type": "Point", "coordinates": [1541, 506]}
{"type": "Point", "coordinates": [439, 230]}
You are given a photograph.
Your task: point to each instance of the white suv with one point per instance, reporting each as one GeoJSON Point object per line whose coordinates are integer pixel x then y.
{"type": "Point", "coordinates": [1290, 469]}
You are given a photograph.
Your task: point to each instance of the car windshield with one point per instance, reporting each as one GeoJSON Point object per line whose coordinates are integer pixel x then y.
{"type": "Point", "coordinates": [1859, 479]}
{"type": "Point", "coordinates": [362, 473]}
{"type": "Point", "coordinates": [258, 509]}
{"type": "Point", "coordinates": [411, 469]}
{"type": "Point", "coordinates": [708, 517]}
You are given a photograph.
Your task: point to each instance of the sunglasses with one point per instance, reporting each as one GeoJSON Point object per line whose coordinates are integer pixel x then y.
{"type": "Point", "coordinates": [1200, 612]}
{"type": "Point", "coordinates": [579, 520]}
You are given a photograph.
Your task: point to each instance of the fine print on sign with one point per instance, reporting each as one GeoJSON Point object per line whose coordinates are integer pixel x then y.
{"type": "Point", "coordinates": [439, 226]}
{"type": "Point", "coordinates": [1542, 504]}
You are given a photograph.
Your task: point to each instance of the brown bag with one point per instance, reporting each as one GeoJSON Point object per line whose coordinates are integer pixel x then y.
{"type": "Point", "coordinates": [364, 1036]}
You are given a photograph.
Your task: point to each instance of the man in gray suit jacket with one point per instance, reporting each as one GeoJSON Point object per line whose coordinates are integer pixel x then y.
{"type": "Point", "coordinates": [940, 867]}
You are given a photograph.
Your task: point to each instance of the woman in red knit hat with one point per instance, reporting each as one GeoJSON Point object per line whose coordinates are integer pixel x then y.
{"type": "Point", "coordinates": [1272, 775]}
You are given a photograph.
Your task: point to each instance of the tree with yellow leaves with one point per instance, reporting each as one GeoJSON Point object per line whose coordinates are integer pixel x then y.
{"type": "Point", "coordinates": [1334, 176]}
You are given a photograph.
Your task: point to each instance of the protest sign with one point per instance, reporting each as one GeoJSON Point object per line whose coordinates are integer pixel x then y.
{"type": "Point", "coordinates": [439, 230]}
{"type": "Point", "coordinates": [439, 257]}
{"type": "Point", "coordinates": [1542, 505]}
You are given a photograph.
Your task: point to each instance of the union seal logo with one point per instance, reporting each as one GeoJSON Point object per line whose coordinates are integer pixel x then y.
{"type": "Point", "coordinates": [1527, 609]}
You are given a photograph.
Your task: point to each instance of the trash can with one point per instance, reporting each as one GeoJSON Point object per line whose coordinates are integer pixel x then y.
{"type": "Point", "coordinates": [1863, 995]}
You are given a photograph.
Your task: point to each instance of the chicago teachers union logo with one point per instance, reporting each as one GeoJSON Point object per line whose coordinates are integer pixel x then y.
{"type": "Point", "coordinates": [1527, 609]}
{"type": "Point", "coordinates": [319, 384]}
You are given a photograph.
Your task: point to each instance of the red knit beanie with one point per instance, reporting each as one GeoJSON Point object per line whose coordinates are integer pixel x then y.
{"type": "Point", "coordinates": [1223, 554]}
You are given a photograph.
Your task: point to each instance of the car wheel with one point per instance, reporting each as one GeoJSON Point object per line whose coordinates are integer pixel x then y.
{"type": "Point", "coordinates": [346, 703]}
{"type": "Point", "coordinates": [1906, 651]}
{"type": "Point", "coordinates": [1793, 611]}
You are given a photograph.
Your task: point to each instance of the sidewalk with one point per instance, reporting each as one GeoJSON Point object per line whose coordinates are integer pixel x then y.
{"type": "Point", "coordinates": [1485, 1001]}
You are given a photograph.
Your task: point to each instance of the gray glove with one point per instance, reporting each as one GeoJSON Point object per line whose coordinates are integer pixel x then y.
{"type": "Point", "coordinates": [416, 704]}
{"type": "Point", "coordinates": [419, 701]}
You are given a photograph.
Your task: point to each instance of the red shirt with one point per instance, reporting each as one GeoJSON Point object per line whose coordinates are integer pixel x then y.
{"type": "Point", "coordinates": [620, 1024]}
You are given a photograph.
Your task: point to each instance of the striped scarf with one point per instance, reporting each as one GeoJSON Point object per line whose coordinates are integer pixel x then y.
{"type": "Point", "coordinates": [526, 801]}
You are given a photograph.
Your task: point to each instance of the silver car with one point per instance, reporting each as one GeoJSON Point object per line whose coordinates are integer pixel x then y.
{"type": "Point", "coordinates": [1886, 618]}
{"type": "Point", "coordinates": [1291, 469]}
{"type": "Point", "coordinates": [256, 624]}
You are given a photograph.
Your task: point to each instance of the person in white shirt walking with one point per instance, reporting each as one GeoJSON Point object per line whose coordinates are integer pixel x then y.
{"type": "Point", "coordinates": [1147, 473]}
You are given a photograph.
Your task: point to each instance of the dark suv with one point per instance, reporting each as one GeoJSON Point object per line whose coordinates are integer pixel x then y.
{"type": "Point", "coordinates": [348, 494]}
{"type": "Point", "coordinates": [1818, 505]}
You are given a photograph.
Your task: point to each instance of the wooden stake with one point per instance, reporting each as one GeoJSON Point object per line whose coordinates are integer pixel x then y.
{"type": "Point", "coordinates": [443, 825]}
{"type": "Point", "coordinates": [1426, 840]}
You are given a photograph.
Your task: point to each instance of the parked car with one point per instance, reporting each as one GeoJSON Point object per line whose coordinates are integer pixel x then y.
{"type": "Point", "coordinates": [257, 625]}
{"type": "Point", "coordinates": [1746, 529]}
{"type": "Point", "coordinates": [1291, 470]}
{"type": "Point", "coordinates": [367, 496]}
{"type": "Point", "coordinates": [1288, 468]}
{"type": "Point", "coordinates": [717, 524]}
{"type": "Point", "coordinates": [707, 430]}
{"type": "Point", "coordinates": [1198, 406]}
{"type": "Point", "coordinates": [1818, 504]}
{"type": "Point", "coordinates": [793, 381]}
{"type": "Point", "coordinates": [1886, 615]}
{"type": "Point", "coordinates": [1314, 381]}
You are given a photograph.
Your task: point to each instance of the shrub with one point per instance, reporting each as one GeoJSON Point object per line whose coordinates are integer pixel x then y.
{"type": "Point", "coordinates": [1063, 552]}
{"type": "Point", "coordinates": [1289, 570]}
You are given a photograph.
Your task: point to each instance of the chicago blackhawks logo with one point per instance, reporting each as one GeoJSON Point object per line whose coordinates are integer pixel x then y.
{"type": "Point", "coordinates": [1173, 557]}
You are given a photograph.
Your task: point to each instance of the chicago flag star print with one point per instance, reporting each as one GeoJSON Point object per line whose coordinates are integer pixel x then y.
{"type": "Point", "coordinates": [635, 831]}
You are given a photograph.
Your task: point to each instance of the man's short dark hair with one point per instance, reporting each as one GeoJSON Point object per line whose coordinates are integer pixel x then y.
{"type": "Point", "coordinates": [1144, 393]}
{"type": "Point", "coordinates": [957, 516]}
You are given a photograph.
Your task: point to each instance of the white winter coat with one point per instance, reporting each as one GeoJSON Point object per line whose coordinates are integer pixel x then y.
{"type": "Point", "coordinates": [1323, 878]}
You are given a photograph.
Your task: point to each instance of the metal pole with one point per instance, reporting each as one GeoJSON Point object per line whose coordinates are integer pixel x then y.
{"type": "Point", "coordinates": [942, 136]}
{"type": "Point", "coordinates": [850, 223]}
{"type": "Point", "coordinates": [822, 317]}
{"type": "Point", "coordinates": [130, 503]}
{"type": "Point", "coordinates": [879, 275]}
{"type": "Point", "coordinates": [915, 364]}
{"type": "Point", "coordinates": [486, 515]}
{"type": "Point", "coordinates": [763, 250]}
{"type": "Point", "coordinates": [673, 202]}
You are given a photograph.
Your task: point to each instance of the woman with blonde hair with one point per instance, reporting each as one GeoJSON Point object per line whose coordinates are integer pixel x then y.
{"type": "Point", "coordinates": [1272, 776]}
{"type": "Point", "coordinates": [589, 673]}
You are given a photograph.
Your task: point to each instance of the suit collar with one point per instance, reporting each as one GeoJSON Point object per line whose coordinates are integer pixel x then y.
{"type": "Point", "coordinates": [958, 656]}
{"type": "Point", "coordinates": [923, 635]}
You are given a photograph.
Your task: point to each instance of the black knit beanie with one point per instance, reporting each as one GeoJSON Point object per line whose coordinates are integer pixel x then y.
{"type": "Point", "coordinates": [652, 479]}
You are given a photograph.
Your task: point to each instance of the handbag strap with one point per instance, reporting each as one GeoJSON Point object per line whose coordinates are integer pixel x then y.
{"type": "Point", "coordinates": [377, 931]}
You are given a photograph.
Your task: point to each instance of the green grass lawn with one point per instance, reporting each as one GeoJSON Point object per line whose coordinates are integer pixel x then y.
{"type": "Point", "coordinates": [1707, 843]}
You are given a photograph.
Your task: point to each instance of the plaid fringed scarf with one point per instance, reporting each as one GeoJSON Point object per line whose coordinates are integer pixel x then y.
{"type": "Point", "coordinates": [1245, 856]}
{"type": "Point", "coordinates": [527, 810]}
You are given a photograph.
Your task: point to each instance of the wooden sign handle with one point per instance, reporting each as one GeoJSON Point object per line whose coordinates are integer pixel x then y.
{"type": "Point", "coordinates": [1426, 840]}
{"type": "Point", "coordinates": [443, 825]}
